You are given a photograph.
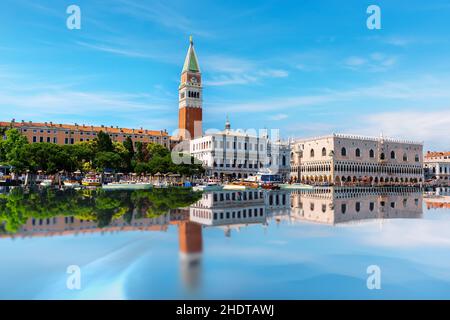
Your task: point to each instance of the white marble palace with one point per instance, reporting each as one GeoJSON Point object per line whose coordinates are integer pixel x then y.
{"type": "Point", "coordinates": [239, 154]}
{"type": "Point", "coordinates": [346, 159]}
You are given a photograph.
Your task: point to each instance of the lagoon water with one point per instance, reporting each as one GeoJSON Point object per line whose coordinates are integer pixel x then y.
{"type": "Point", "coordinates": [175, 244]}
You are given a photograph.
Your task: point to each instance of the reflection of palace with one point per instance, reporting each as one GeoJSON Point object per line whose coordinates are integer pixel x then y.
{"type": "Point", "coordinates": [341, 205]}
{"type": "Point", "coordinates": [440, 199]}
{"type": "Point", "coordinates": [230, 209]}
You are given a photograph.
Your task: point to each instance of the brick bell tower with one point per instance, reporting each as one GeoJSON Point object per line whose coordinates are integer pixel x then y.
{"type": "Point", "coordinates": [190, 97]}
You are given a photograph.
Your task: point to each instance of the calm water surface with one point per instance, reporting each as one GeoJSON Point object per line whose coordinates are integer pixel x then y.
{"type": "Point", "coordinates": [176, 244]}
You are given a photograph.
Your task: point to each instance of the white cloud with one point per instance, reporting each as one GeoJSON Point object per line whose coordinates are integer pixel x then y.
{"type": "Point", "coordinates": [278, 117]}
{"type": "Point", "coordinates": [433, 127]}
{"type": "Point", "coordinates": [420, 91]}
{"type": "Point", "coordinates": [116, 50]}
{"type": "Point", "coordinates": [420, 233]}
{"type": "Point", "coordinates": [274, 73]}
{"type": "Point", "coordinates": [226, 70]}
{"type": "Point", "coordinates": [375, 62]}
{"type": "Point", "coordinates": [158, 12]}
{"type": "Point", "coordinates": [25, 99]}
{"type": "Point", "coordinates": [355, 61]}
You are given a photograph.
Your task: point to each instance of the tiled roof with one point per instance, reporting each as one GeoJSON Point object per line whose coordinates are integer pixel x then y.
{"type": "Point", "coordinates": [78, 127]}
{"type": "Point", "coordinates": [437, 154]}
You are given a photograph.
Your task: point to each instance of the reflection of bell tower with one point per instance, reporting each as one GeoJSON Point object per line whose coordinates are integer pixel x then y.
{"type": "Point", "coordinates": [191, 247]}
{"type": "Point", "coordinates": [190, 97]}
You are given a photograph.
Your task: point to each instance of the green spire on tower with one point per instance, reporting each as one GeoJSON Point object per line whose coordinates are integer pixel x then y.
{"type": "Point", "coordinates": [191, 62]}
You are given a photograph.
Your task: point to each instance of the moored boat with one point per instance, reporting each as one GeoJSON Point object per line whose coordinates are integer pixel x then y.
{"type": "Point", "coordinates": [296, 186]}
{"type": "Point", "coordinates": [46, 183]}
{"type": "Point", "coordinates": [270, 186]}
{"type": "Point", "coordinates": [241, 185]}
{"type": "Point", "coordinates": [208, 187]}
{"type": "Point", "coordinates": [71, 183]}
{"type": "Point", "coordinates": [127, 185]}
{"type": "Point", "coordinates": [91, 181]}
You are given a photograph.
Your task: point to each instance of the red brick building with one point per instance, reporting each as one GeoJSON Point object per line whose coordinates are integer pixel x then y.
{"type": "Point", "coordinates": [190, 97]}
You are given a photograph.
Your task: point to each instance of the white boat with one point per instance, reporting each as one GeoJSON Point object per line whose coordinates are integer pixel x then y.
{"type": "Point", "coordinates": [240, 185]}
{"type": "Point", "coordinates": [91, 181]}
{"type": "Point", "coordinates": [46, 183]}
{"type": "Point", "coordinates": [234, 187]}
{"type": "Point", "coordinates": [208, 187]}
{"type": "Point", "coordinates": [127, 185]}
{"type": "Point", "coordinates": [296, 186]}
{"type": "Point", "coordinates": [71, 183]}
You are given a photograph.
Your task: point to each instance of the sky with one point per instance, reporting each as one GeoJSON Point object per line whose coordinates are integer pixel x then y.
{"type": "Point", "coordinates": [306, 67]}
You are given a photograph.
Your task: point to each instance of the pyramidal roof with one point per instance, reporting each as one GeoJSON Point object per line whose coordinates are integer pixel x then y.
{"type": "Point", "coordinates": [191, 62]}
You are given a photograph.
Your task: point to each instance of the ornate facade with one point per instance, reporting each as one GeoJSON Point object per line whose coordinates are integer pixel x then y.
{"type": "Point", "coordinates": [345, 159]}
{"type": "Point", "coordinates": [231, 153]}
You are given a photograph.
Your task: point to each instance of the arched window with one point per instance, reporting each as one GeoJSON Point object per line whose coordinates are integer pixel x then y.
{"type": "Point", "coordinates": [392, 154]}
{"type": "Point", "coordinates": [358, 152]}
{"type": "Point", "coordinates": [312, 153]}
{"type": "Point", "coordinates": [357, 206]}
{"type": "Point", "coordinates": [382, 156]}
{"type": "Point", "coordinates": [417, 158]}
{"type": "Point", "coordinates": [371, 154]}
{"type": "Point", "coordinates": [405, 157]}
{"type": "Point", "coordinates": [324, 152]}
{"type": "Point", "coordinates": [343, 152]}
{"type": "Point", "coordinates": [283, 161]}
{"type": "Point", "coordinates": [343, 208]}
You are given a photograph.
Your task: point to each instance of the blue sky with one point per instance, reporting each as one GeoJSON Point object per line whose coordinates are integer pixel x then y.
{"type": "Point", "coordinates": [305, 67]}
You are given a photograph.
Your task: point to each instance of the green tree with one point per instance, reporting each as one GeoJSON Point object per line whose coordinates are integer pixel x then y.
{"type": "Point", "coordinates": [47, 157]}
{"type": "Point", "coordinates": [82, 155]}
{"type": "Point", "coordinates": [107, 160]}
{"type": "Point", "coordinates": [141, 152]}
{"type": "Point", "coordinates": [155, 149]}
{"type": "Point", "coordinates": [128, 144]}
{"type": "Point", "coordinates": [14, 151]}
{"type": "Point", "coordinates": [103, 143]}
{"type": "Point", "coordinates": [122, 152]}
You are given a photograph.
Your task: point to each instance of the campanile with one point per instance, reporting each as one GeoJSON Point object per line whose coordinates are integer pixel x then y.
{"type": "Point", "coordinates": [190, 97]}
